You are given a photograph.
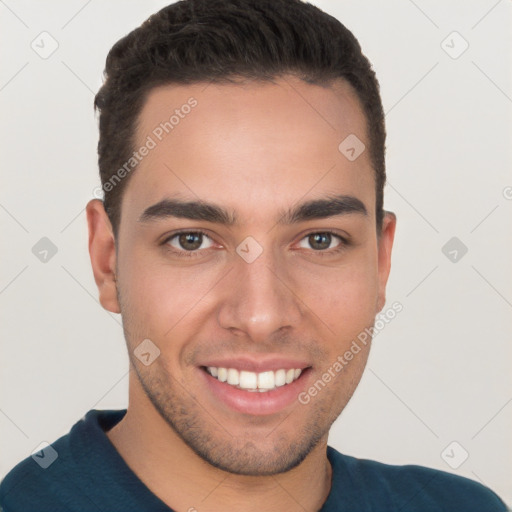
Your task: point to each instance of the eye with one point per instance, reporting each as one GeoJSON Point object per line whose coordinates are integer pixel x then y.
{"type": "Point", "coordinates": [189, 241]}
{"type": "Point", "coordinates": [320, 241]}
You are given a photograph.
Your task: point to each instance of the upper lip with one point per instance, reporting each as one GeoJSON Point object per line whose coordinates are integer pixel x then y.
{"type": "Point", "coordinates": [257, 365]}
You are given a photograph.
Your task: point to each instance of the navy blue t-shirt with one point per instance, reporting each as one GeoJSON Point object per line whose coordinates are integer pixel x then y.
{"type": "Point", "coordinates": [83, 472]}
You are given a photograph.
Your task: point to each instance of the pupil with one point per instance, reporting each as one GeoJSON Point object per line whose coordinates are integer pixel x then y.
{"type": "Point", "coordinates": [316, 241]}
{"type": "Point", "coordinates": [195, 239]}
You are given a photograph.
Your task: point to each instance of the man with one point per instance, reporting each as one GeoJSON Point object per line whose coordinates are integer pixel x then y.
{"type": "Point", "coordinates": [242, 237]}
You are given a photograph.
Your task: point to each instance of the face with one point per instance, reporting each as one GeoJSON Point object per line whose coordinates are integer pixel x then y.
{"type": "Point", "coordinates": [252, 297]}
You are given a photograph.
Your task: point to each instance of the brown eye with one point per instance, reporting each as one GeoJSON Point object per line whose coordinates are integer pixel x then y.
{"type": "Point", "coordinates": [189, 241]}
{"type": "Point", "coordinates": [320, 241]}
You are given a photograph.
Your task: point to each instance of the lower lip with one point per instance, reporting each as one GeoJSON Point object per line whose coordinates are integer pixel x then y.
{"type": "Point", "coordinates": [255, 402]}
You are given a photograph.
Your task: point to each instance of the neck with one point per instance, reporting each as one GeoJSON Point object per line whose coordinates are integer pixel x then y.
{"type": "Point", "coordinates": [185, 482]}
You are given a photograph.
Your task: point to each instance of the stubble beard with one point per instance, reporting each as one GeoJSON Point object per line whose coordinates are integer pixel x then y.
{"type": "Point", "coordinates": [204, 434]}
{"type": "Point", "coordinates": [211, 441]}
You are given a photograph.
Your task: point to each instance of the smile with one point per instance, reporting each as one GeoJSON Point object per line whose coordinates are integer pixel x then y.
{"type": "Point", "coordinates": [255, 382]}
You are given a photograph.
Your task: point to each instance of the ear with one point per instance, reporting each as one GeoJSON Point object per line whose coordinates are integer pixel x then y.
{"type": "Point", "coordinates": [102, 251]}
{"type": "Point", "coordinates": [385, 244]}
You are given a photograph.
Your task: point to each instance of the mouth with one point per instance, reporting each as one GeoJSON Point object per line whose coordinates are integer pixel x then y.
{"type": "Point", "coordinates": [262, 382]}
{"type": "Point", "coordinates": [265, 392]}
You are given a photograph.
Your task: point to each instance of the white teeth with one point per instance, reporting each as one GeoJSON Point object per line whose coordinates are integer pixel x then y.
{"type": "Point", "coordinates": [266, 380]}
{"type": "Point", "coordinates": [280, 378]}
{"type": "Point", "coordinates": [233, 377]}
{"type": "Point", "coordinates": [248, 380]}
{"type": "Point", "coordinates": [253, 382]}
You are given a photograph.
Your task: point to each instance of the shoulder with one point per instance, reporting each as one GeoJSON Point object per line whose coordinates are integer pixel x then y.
{"type": "Point", "coordinates": [413, 487]}
{"type": "Point", "coordinates": [55, 477]}
{"type": "Point", "coordinates": [38, 479]}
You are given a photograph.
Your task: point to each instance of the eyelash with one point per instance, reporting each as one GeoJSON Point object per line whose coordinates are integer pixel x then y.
{"type": "Point", "coordinates": [195, 253]}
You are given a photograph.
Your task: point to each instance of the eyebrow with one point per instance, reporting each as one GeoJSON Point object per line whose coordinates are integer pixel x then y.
{"type": "Point", "coordinates": [322, 208]}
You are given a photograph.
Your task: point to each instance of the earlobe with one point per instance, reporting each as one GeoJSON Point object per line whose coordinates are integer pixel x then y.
{"type": "Point", "coordinates": [385, 245]}
{"type": "Point", "coordinates": [102, 251]}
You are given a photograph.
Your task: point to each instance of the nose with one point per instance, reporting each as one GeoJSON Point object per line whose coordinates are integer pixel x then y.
{"type": "Point", "coordinates": [259, 300]}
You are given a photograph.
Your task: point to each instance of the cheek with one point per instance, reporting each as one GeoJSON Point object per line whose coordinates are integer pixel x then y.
{"type": "Point", "coordinates": [157, 297]}
{"type": "Point", "coordinates": [343, 297]}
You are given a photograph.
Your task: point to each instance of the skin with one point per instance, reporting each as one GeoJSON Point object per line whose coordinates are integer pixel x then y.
{"type": "Point", "coordinates": [255, 149]}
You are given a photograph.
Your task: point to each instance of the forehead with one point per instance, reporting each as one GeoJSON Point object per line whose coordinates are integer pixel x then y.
{"type": "Point", "coordinates": [252, 146]}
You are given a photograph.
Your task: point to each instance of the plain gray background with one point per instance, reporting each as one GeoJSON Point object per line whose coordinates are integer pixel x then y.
{"type": "Point", "coordinates": [438, 382]}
